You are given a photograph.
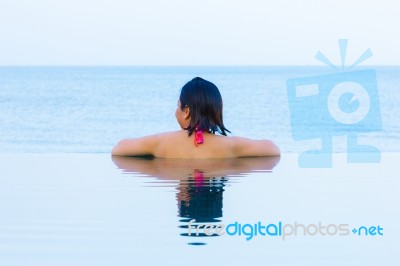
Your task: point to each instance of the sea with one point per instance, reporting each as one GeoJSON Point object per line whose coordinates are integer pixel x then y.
{"type": "Point", "coordinates": [88, 109]}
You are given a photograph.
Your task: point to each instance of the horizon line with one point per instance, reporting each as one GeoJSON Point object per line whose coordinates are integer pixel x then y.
{"type": "Point", "coordinates": [200, 65]}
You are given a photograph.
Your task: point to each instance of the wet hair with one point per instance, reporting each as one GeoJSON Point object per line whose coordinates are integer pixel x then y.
{"type": "Point", "coordinates": [205, 104]}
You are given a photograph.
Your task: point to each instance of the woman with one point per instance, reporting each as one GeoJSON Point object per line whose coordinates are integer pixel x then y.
{"type": "Point", "coordinates": [199, 114]}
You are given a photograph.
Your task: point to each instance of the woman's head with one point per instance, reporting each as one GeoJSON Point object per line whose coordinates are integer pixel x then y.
{"type": "Point", "coordinates": [200, 105]}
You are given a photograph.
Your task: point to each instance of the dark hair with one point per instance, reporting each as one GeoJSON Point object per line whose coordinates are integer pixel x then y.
{"type": "Point", "coordinates": [205, 105]}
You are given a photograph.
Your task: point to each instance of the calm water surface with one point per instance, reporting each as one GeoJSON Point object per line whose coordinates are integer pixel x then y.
{"type": "Point", "coordinates": [88, 109]}
{"type": "Point", "coordinates": [88, 209]}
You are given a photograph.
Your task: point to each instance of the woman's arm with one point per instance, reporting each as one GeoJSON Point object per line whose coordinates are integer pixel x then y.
{"type": "Point", "coordinates": [243, 147]}
{"type": "Point", "coordinates": [136, 147]}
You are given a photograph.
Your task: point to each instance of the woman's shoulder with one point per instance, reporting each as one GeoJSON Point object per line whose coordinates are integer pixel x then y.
{"type": "Point", "coordinates": [146, 145]}
{"type": "Point", "coordinates": [245, 147]}
{"type": "Point", "coordinates": [169, 138]}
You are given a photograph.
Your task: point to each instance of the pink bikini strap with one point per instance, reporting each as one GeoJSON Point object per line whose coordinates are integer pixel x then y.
{"type": "Point", "coordinates": [198, 136]}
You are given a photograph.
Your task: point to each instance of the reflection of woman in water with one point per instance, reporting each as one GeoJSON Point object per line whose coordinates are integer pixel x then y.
{"type": "Point", "coordinates": [199, 183]}
{"type": "Point", "coordinates": [199, 114]}
{"type": "Point", "coordinates": [200, 197]}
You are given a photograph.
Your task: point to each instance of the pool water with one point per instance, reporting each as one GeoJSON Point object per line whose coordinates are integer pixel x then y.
{"type": "Point", "coordinates": [94, 209]}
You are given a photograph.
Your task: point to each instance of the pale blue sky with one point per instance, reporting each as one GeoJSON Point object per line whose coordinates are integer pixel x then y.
{"type": "Point", "coordinates": [185, 32]}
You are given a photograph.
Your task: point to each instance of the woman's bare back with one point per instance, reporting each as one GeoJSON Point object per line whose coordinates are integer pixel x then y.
{"type": "Point", "coordinates": [178, 144]}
